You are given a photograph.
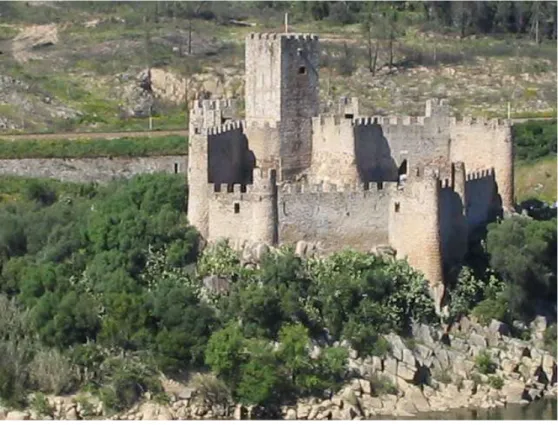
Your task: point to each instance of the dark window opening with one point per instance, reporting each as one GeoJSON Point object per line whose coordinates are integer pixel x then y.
{"type": "Point", "coordinates": [349, 116]}
{"type": "Point", "coordinates": [397, 207]}
{"type": "Point", "coordinates": [176, 168]}
{"type": "Point", "coordinates": [402, 168]}
{"type": "Point", "coordinates": [236, 207]}
{"type": "Point", "coordinates": [302, 70]}
{"type": "Point", "coordinates": [380, 185]}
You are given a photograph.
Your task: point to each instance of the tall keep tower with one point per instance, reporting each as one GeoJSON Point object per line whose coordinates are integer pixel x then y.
{"type": "Point", "coordinates": [282, 88]}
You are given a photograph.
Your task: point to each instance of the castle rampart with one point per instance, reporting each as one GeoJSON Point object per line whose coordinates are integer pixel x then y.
{"type": "Point", "coordinates": [288, 174]}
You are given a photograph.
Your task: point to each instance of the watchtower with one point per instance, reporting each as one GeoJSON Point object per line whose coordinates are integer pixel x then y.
{"type": "Point", "coordinates": [282, 86]}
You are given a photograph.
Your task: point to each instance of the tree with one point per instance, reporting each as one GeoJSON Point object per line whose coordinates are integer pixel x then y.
{"type": "Point", "coordinates": [523, 252]}
{"type": "Point", "coordinates": [225, 353]}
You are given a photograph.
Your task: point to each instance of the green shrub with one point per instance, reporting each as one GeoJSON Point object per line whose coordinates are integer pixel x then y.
{"type": "Point", "coordinates": [382, 385]}
{"type": "Point", "coordinates": [534, 139]}
{"type": "Point", "coordinates": [211, 391]}
{"type": "Point", "coordinates": [127, 381]}
{"type": "Point", "coordinates": [484, 363]}
{"type": "Point", "coordinates": [92, 148]}
{"type": "Point", "coordinates": [39, 403]}
{"type": "Point", "coordinates": [496, 382]}
{"type": "Point", "coordinates": [52, 372]}
{"type": "Point", "coordinates": [87, 409]}
{"type": "Point", "coordinates": [490, 309]}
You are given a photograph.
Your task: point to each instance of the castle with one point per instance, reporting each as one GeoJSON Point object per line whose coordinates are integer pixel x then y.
{"type": "Point", "coordinates": [287, 173]}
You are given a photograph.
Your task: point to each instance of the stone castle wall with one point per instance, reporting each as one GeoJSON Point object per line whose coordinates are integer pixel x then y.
{"type": "Point", "coordinates": [86, 170]}
{"type": "Point", "coordinates": [482, 145]}
{"type": "Point", "coordinates": [419, 184]}
{"type": "Point", "coordinates": [337, 217]}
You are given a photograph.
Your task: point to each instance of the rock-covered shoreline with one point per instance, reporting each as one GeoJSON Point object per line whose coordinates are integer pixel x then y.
{"type": "Point", "coordinates": [431, 372]}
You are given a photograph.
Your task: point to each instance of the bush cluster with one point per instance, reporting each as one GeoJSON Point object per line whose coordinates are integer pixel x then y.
{"type": "Point", "coordinates": [93, 148]}
{"type": "Point", "coordinates": [103, 287]}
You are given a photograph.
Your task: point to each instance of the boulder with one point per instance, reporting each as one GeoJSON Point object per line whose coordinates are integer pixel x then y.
{"type": "Point", "coordinates": [442, 358]}
{"type": "Point", "coordinates": [423, 354]}
{"type": "Point", "coordinates": [422, 333]}
{"type": "Point", "coordinates": [71, 414]}
{"type": "Point", "coordinates": [408, 357]}
{"type": "Point", "coordinates": [301, 248]}
{"type": "Point", "coordinates": [499, 328]}
{"type": "Point", "coordinates": [415, 395]}
{"type": "Point", "coordinates": [291, 415]}
{"type": "Point", "coordinates": [513, 391]}
{"type": "Point", "coordinates": [459, 344]}
{"type": "Point", "coordinates": [366, 387]}
{"type": "Point", "coordinates": [388, 402]}
{"type": "Point", "coordinates": [549, 366]}
{"type": "Point", "coordinates": [185, 393]}
{"type": "Point", "coordinates": [16, 415]}
{"type": "Point", "coordinates": [397, 346]}
{"type": "Point", "coordinates": [390, 366]}
{"type": "Point", "coordinates": [405, 407]}
{"type": "Point", "coordinates": [148, 411]}
{"type": "Point", "coordinates": [477, 340]}
{"type": "Point", "coordinates": [349, 396]}
{"type": "Point", "coordinates": [465, 324]}
{"type": "Point", "coordinates": [303, 411]}
{"type": "Point", "coordinates": [164, 414]}
{"type": "Point", "coordinates": [406, 372]}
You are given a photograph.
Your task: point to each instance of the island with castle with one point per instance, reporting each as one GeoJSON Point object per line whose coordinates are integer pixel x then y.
{"type": "Point", "coordinates": [288, 173]}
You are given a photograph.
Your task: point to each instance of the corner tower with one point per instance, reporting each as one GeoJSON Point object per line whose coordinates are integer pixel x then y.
{"type": "Point", "coordinates": [282, 86]}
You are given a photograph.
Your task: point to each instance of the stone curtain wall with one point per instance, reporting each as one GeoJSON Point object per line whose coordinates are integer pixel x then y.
{"type": "Point", "coordinates": [86, 170]}
{"type": "Point", "coordinates": [336, 217]}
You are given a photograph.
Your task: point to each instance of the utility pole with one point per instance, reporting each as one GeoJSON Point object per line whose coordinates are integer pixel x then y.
{"type": "Point", "coordinates": [509, 110]}
{"type": "Point", "coordinates": [286, 22]}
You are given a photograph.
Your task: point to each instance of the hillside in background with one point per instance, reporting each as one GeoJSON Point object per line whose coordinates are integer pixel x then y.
{"type": "Point", "coordinates": [84, 65]}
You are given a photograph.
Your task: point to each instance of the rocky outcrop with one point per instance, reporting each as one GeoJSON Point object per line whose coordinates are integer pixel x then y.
{"type": "Point", "coordinates": [432, 372]}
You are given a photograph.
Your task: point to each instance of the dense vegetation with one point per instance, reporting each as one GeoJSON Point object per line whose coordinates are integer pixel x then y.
{"type": "Point", "coordinates": [534, 140]}
{"type": "Point", "coordinates": [88, 148]}
{"type": "Point", "coordinates": [88, 272]}
{"type": "Point", "coordinates": [103, 288]}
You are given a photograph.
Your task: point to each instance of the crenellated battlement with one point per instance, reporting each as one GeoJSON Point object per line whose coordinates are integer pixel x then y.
{"type": "Point", "coordinates": [480, 174]}
{"type": "Point", "coordinates": [225, 128]}
{"type": "Point", "coordinates": [363, 188]}
{"type": "Point", "coordinates": [480, 121]}
{"type": "Point", "coordinates": [202, 105]}
{"type": "Point", "coordinates": [279, 36]}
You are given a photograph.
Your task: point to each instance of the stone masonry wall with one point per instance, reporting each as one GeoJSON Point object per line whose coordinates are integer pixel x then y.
{"type": "Point", "coordinates": [355, 217]}
{"type": "Point", "coordinates": [414, 226]}
{"type": "Point", "coordinates": [87, 170]}
{"type": "Point", "coordinates": [483, 145]}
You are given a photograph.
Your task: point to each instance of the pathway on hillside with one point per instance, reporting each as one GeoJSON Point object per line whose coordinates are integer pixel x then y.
{"type": "Point", "coordinates": [154, 133]}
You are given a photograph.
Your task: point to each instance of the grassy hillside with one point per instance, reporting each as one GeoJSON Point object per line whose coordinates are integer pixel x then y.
{"type": "Point", "coordinates": [78, 65]}
{"type": "Point", "coordinates": [536, 179]}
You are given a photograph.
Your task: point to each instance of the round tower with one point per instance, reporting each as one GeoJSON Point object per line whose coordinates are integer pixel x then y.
{"type": "Point", "coordinates": [264, 206]}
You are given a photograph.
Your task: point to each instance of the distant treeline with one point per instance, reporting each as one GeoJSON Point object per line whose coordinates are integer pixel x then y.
{"type": "Point", "coordinates": [536, 19]}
